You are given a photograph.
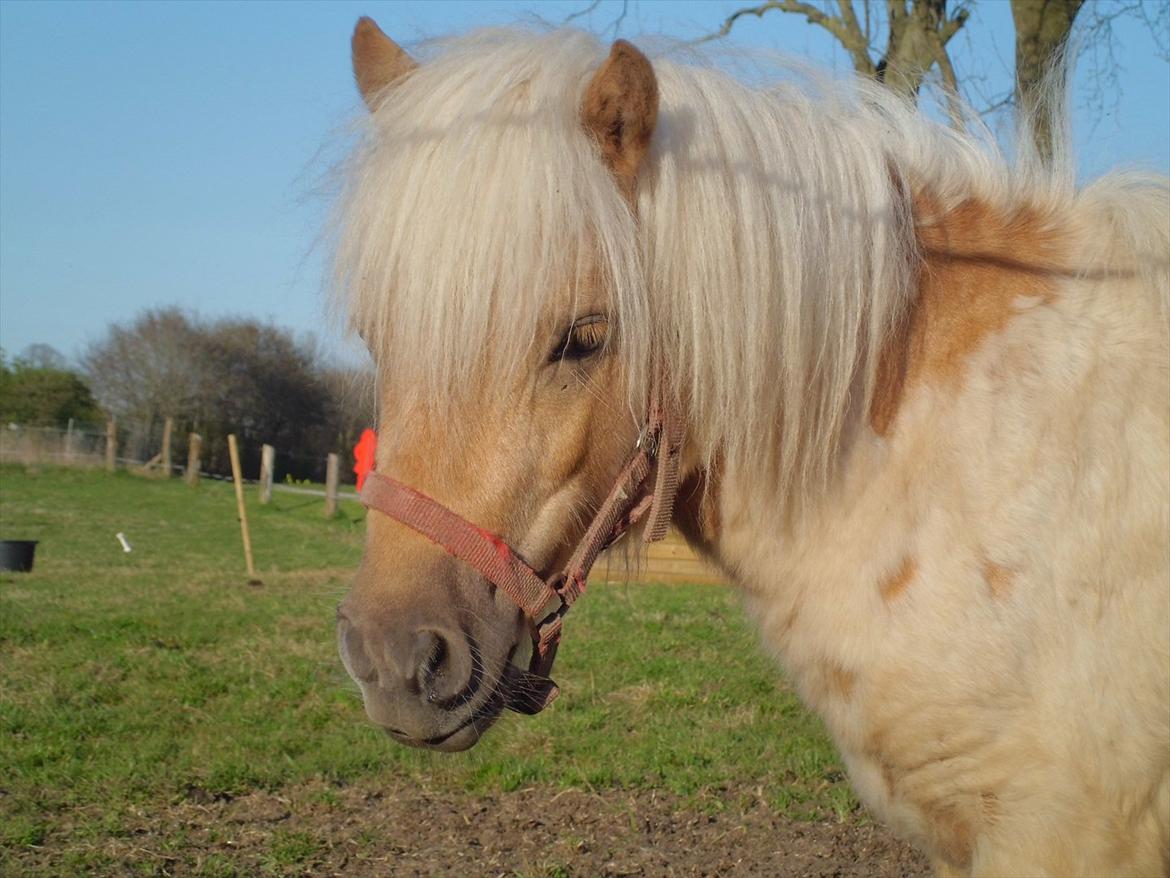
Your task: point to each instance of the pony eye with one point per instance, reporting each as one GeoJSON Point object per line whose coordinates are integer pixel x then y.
{"type": "Point", "coordinates": [584, 338]}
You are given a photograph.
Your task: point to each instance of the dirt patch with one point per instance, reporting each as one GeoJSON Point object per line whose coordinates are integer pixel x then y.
{"type": "Point", "coordinates": [403, 830]}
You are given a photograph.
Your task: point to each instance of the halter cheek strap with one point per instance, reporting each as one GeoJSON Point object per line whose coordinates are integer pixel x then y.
{"type": "Point", "coordinates": [481, 549]}
{"type": "Point", "coordinates": [545, 601]}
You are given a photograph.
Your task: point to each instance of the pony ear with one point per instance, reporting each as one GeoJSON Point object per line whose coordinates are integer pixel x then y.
{"type": "Point", "coordinates": [378, 61]}
{"type": "Point", "coordinates": [620, 110]}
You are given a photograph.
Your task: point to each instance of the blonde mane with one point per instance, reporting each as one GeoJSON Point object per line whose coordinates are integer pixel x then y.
{"type": "Point", "coordinates": [771, 258]}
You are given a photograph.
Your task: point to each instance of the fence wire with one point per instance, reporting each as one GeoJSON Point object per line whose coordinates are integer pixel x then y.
{"type": "Point", "coordinates": [85, 445]}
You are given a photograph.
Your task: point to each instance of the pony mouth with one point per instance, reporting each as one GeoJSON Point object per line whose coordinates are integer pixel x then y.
{"type": "Point", "coordinates": [510, 692]}
{"type": "Point", "coordinates": [478, 722]}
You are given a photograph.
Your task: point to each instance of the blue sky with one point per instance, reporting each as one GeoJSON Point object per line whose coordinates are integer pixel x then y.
{"type": "Point", "coordinates": [168, 153]}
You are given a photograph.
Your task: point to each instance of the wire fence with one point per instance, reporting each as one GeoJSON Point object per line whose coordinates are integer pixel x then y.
{"type": "Point", "coordinates": [88, 445]}
{"type": "Point", "coordinates": [75, 446]}
{"type": "Point", "coordinates": [134, 446]}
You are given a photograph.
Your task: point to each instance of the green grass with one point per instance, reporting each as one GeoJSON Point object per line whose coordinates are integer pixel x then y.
{"type": "Point", "coordinates": [128, 680]}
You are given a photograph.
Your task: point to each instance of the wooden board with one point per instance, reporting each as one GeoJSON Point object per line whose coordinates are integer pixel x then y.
{"type": "Point", "coordinates": [670, 560]}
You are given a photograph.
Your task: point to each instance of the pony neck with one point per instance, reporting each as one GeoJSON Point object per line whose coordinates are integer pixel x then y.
{"type": "Point", "coordinates": [980, 266]}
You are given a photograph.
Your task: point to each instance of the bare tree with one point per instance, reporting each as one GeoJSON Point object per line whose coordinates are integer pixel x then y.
{"type": "Point", "coordinates": [149, 369]}
{"type": "Point", "coordinates": [1100, 50]}
{"type": "Point", "coordinates": [916, 35]}
{"type": "Point", "coordinates": [215, 378]}
{"type": "Point", "coordinates": [1043, 28]}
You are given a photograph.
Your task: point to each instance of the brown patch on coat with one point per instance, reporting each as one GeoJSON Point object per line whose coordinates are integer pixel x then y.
{"type": "Point", "coordinates": [620, 110]}
{"type": "Point", "coordinates": [999, 579]}
{"type": "Point", "coordinates": [894, 584]}
{"type": "Point", "coordinates": [953, 833]}
{"type": "Point", "coordinates": [977, 260]}
{"type": "Point", "coordinates": [890, 379]}
{"type": "Point", "coordinates": [839, 680]}
{"type": "Point", "coordinates": [378, 61]}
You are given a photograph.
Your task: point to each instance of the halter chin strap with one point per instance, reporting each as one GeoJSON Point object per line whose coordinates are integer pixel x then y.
{"type": "Point", "coordinates": [545, 602]}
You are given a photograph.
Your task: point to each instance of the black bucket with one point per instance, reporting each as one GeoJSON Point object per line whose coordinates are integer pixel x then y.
{"type": "Point", "coordinates": [17, 555]}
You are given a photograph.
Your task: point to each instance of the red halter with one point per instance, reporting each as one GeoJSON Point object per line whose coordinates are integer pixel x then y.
{"type": "Point", "coordinates": [545, 602]}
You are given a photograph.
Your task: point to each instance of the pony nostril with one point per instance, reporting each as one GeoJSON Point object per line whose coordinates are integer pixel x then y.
{"type": "Point", "coordinates": [354, 652]}
{"type": "Point", "coordinates": [430, 652]}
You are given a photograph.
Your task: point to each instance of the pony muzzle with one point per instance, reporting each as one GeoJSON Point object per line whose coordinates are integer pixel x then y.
{"type": "Point", "coordinates": [426, 681]}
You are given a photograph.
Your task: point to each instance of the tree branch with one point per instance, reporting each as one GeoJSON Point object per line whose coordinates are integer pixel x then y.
{"type": "Point", "coordinates": [849, 18]}
{"type": "Point", "coordinates": [1007, 100]}
{"type": "Point", "coordinates": [953, 26]}
{"type": "Point", "coordinates": [859, 48]}
{"type": "Point", "coordinates": [616, 24]}
{"type": "Point", "coordinates": [582, 12]}
{"type": "Point", "coordinates": [851, 38]}
{"type": "Point", "coordinates": [814, 15]}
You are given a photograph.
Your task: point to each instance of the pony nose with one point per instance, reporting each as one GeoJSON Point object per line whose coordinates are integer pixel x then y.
{"type": "Point", "coordinates": [427, 662]}
{"type": "Point", "coordinates": [353, 651]}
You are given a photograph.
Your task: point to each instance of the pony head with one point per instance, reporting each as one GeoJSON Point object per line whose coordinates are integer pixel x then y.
{"type": "Point", "coordinates": [524, 239]}
{"type": "Point", "coordinates": [488, 252]}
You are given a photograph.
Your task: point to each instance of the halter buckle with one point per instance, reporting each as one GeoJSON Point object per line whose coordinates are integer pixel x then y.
{"type": "Point", "coordinates": [648, 440]}
{"type": "Point", "coordinates": [549, 631]}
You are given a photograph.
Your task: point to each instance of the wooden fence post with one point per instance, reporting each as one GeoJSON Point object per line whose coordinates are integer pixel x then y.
{"type": "Point", "coordinates": [267, 467]}
{"type": "Point", "coordinates": [332, 476]}
{"type": "Point", "coordinates": [168, 426]}
{"type": "Point", "coordinates": [111, 445]}
{"type": "Point", "coordinates": [234, 454]}
{"type": "Point", "coordinates": [69, 442]}
{"type": "Point", "coordinates": [194, 447]}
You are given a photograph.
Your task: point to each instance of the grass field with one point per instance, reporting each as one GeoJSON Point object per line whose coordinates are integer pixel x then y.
{"type": "Point", "coordinates": [133, 681]}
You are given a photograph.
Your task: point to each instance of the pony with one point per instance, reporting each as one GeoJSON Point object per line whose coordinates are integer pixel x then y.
{"type": "Point", "coordinates": [924, 397]}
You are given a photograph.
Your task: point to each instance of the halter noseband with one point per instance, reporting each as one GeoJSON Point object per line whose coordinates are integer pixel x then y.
{"type": "Point", "coordinates": [545, 601]}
